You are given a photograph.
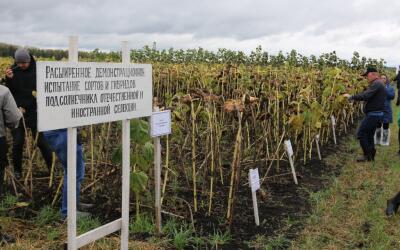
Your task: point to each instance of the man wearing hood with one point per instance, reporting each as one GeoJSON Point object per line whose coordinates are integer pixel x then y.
{"type": "Point", "coordinates": [21, 80]}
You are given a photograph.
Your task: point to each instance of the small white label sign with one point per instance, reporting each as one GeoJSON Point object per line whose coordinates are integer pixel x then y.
{"type": "Point", "coordinates": [254, 179]}
{"type": "Point", "coordinates": [333, 120]}
{"type": "Point", "coordinates": [160, 123]}
{"type": "Point", "coordinates": [289, 148]}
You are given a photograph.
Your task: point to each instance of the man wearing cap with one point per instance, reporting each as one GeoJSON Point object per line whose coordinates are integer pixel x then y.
{"type": "Point", "coordinates": [21, 80]}
{"type": "Point", "coordinates": [374, 98]}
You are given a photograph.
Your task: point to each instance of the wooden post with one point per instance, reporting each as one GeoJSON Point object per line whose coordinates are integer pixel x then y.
{"type": "Point", "coordinates": [293, 170]}
{"type": "Point", "coordinates": [255, 208]}
{"type": "Point", "coordinates": [125, 167]}
{"type": "Point", "coordinates": [71, 168]}
{"type": "Point", "coordinates": [157, 180]}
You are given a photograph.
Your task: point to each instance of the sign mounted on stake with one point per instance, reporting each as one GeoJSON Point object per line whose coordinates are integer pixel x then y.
{"type": "Point", "coordinates": [254, 180]}
{"type": "Point", "coordinates": [160, 123]}
{"type": "Point", "coordinates": [72, 94]}
{"type": "Point", "coordinates": [317, 142]}
{"type": "Point", "coordinates": [289, 151]}
{"type": "Point", "coordinates": [333, 120]}
{"type": "Point", "coordinates": [289, 148]}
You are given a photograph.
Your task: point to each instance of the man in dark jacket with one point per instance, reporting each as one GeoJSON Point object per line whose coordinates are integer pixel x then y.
{"type": "Point", "coordinates": [374, 98]}
{"type": "Point", "coordinates": [397, 78]}
{"type": "Point", "coordinates": [21, 80]}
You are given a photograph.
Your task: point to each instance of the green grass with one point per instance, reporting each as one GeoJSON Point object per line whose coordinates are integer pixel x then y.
{"type": "Point", "coordinates": [47, 215]}
{"type": "Point", "coordinates": [219, 239]}
{"type": "Point", "coordinates": [86, 224]}
{"type": "Point", "coordinates": [142, 224]}
{"type": "Point", "coordinates": [182, 238]}
{"type": "Point", "coordinates": [350, 214]}
{"type": "Point", "coordinates": [8, 202]}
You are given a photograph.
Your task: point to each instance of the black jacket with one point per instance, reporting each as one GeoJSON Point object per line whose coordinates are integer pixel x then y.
{"type": "Point", "coordinates": [374, 97]}
{"type": "Point", "coordinates": [397, 78]}
{"type": "Point", "coordinates": [21, 86]}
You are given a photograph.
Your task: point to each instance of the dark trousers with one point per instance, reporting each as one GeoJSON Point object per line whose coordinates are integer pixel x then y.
{"type": "Point", "coordinates": [3, 161]}
{"type": "Point", "coordinates": [384, 125]}
{"type": "Point", "coordinates": [18, 147]}
{"type": "Point", "coordinates": [398, 137]}
{"type": "Point", "coordinates": [398, 96]}
{"type": "Point", "coordinates": [366, 132]}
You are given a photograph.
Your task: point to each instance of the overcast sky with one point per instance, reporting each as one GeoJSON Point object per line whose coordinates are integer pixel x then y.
{"type": "Point", "coordinates": [370, 27]}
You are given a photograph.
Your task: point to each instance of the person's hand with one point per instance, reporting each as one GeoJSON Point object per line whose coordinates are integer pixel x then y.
{"type": "Point", "coordinates": [347, 95]}
{"type": "Point", "coordinates": [9, 73]}
{"type": "Point", "coordinates": [22, 110]}
{"type": "Point", "coordinates": [34, 93]}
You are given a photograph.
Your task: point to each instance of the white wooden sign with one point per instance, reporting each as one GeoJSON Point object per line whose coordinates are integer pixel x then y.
{"type": "Point", "coordinates": [72, 94]}
{"type": "Point", "coordinates": [289, 151]}
{"type": "Point", "coordinates": [318, 150]}
{"type": "Point", "coordinates": [289, 148]}
{"type": "Point", "coordinates": [254, 179]}
{"type": "Point", "coordinates": [160, 123]}
{"type": "Point", "coordinates": [85, 96]}
{"type": "Point", "coordinates": [333, 120]}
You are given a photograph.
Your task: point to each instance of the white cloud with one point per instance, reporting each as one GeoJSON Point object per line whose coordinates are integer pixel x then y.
{"type": "Point", "coordinates": [310, 26]}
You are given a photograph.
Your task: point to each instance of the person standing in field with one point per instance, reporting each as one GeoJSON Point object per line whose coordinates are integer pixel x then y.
{"type": "Point", "coordinates": [397, 79]}
{"type": "Point", "coordinates": [374, 98]}
{"type": "Point", "coordinates": [58, 140]}
{"type": "Point", "coordinates": [10, 117]}
{"type": "Point", "coordinates": [393, 203]}
{"type": "Point", "coordinates": [382, 133]}
{"type": "Point", "coordinates": [21, 80]}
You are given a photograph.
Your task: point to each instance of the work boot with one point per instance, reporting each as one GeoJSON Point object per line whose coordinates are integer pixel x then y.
{"type": "Point", "coordinates": [364, 158]}
{"type": "Point", "coordinates": [373, 153]}
{"type": "Point", "coordinates": [385, 137]}
{"type": "Point", "coordinates": [85, 206]}
{"type": "Point", "coordinates": [79, 215]}
{"type": "Point", "coordinates": [378, 136]}
{"type": "Point", "coordinates": [393, 205]}
{"type": "Point", "coordinates": [6, 239]}
{"type": "Point", "coordinates": [391, 208]}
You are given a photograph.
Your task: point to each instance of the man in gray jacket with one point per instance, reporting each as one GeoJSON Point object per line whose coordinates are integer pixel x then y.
{"type": "Point", "coordinates": [10, 116]}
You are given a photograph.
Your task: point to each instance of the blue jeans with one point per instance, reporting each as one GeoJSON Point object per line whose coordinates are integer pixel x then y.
{"type": "Point", "coordinates": [366, 131]}
{"type": "Point", "coordinates": [58, 142]}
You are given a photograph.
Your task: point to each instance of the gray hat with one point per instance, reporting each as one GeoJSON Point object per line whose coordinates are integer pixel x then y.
{"type": "Point", "coordinates": [22, 56]}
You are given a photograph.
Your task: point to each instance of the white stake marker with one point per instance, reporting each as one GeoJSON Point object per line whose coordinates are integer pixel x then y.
{"type": "Point", "coordinates": [318, 150]}
{"type": "Point", "coordinates": [254, 180]}
{"type": "Point", "coordinates": [334, 128]}
{"type": "Point", "coordinates": [289, 151]}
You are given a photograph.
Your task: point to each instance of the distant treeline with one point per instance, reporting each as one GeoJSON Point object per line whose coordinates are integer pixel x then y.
{"type": "Point", "coordinates": [257, 57]}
